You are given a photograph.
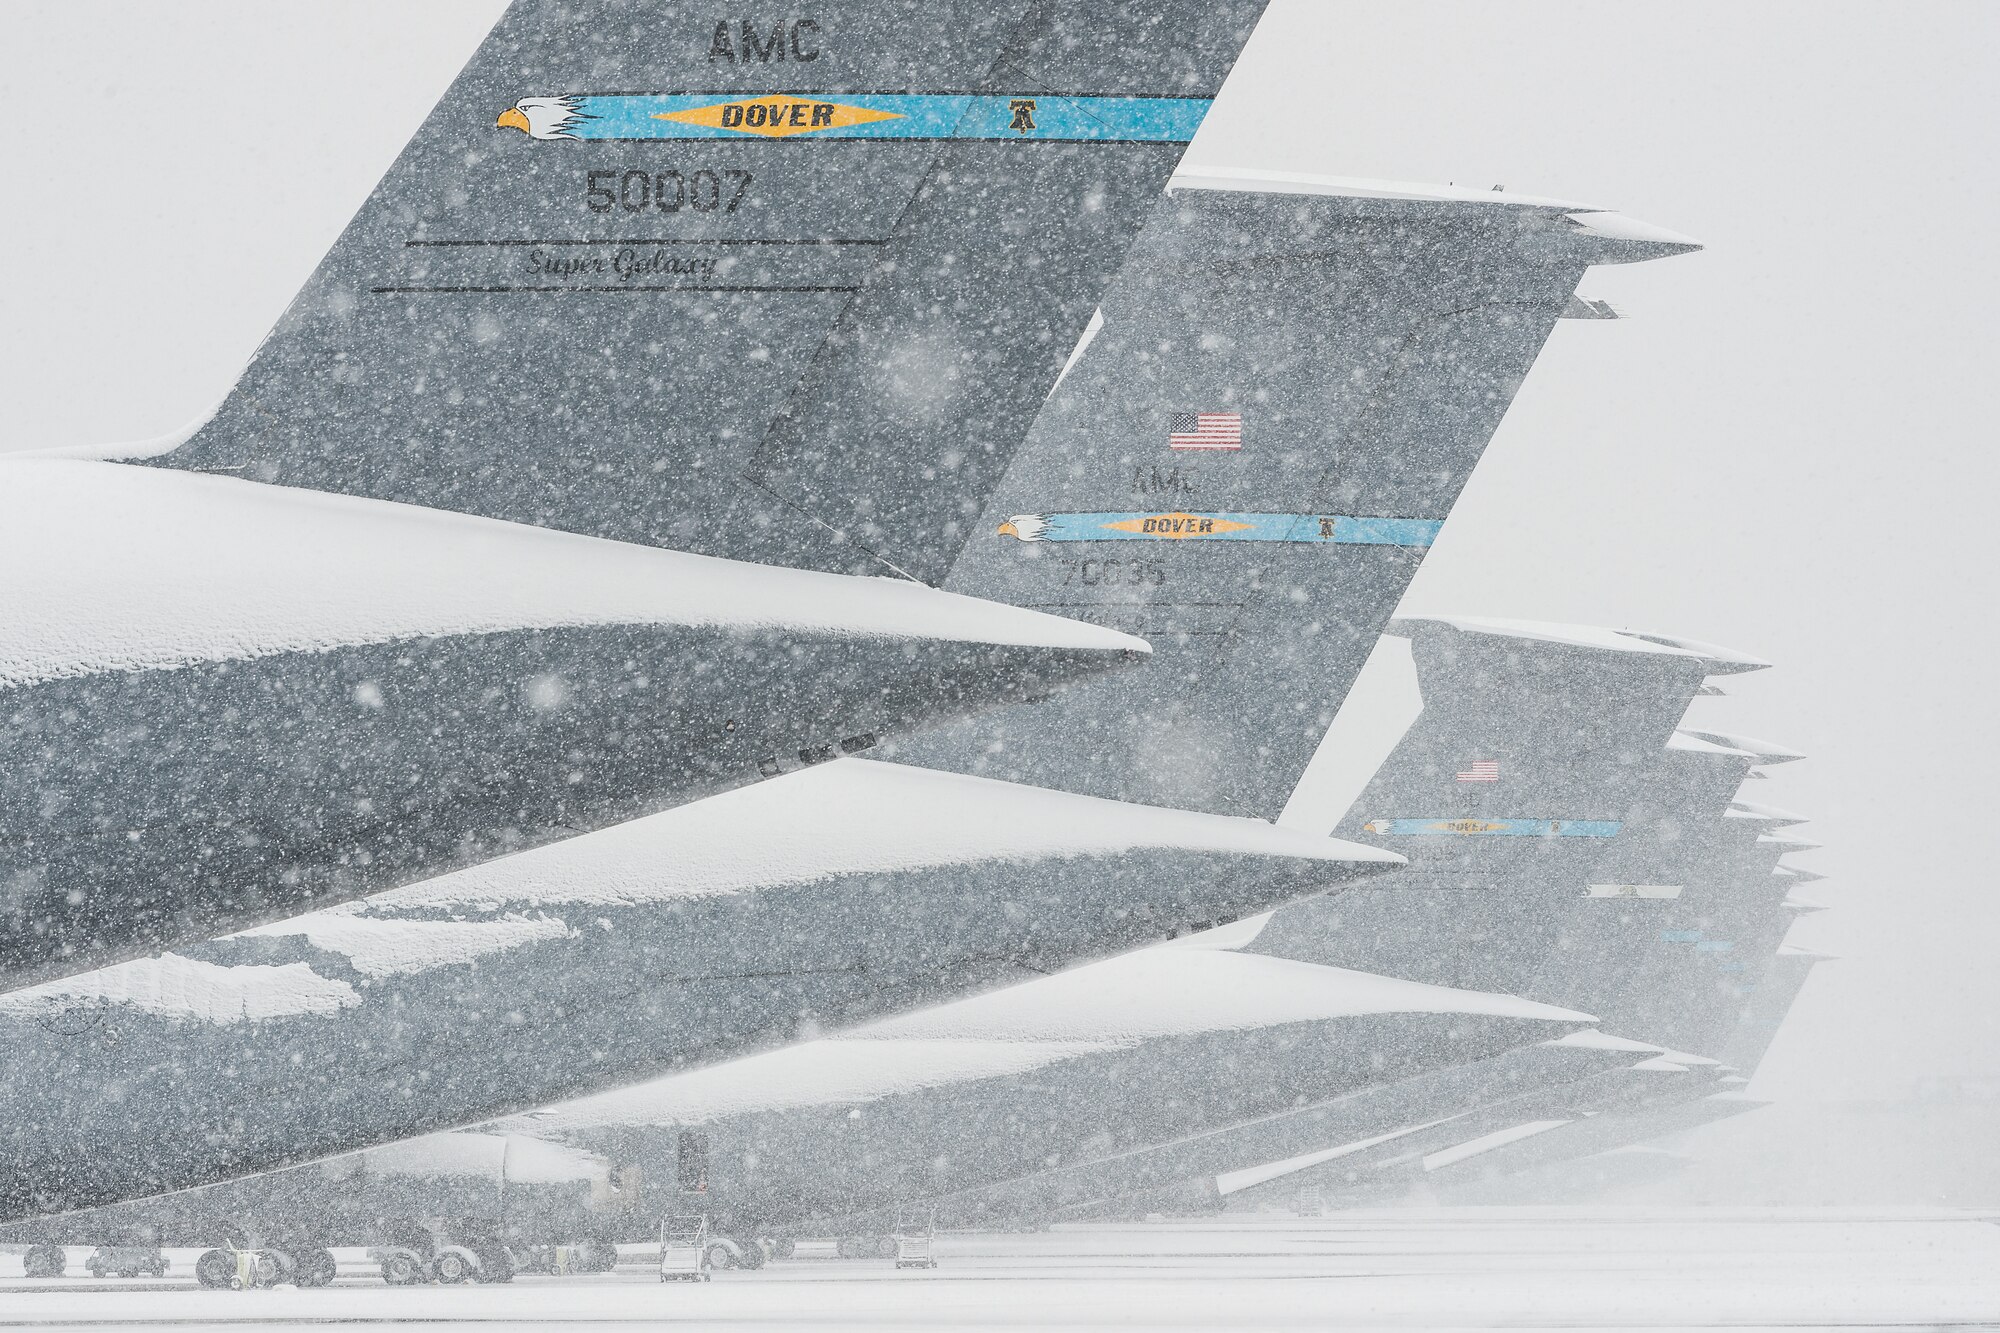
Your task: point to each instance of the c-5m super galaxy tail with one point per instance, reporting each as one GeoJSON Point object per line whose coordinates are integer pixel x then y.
{"type": "Point", "coordinates": [1292, 379]}
{"type": "Point", "coordinates": [788, 293]}
{"type": "Point", "coordinates": [788, 290]}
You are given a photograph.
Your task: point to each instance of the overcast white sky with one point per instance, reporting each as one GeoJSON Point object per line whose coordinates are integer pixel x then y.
{"type": "Point", "coordinates": [1785, 448]}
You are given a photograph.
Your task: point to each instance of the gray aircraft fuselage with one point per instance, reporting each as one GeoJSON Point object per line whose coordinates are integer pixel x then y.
{"type": "Point", "coordinates": [573, 968]}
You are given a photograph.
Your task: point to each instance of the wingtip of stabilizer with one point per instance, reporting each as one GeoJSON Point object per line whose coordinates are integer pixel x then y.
{"type": "Point", "coordinates": [1767, 752]}
{"type": "Point", "coordinates": [1632, 240]}
{"type": "Point", "coordinates": [1721, 661]}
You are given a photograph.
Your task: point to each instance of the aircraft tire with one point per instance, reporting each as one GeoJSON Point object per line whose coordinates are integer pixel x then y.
{"type": "Point", "coordinates": [402, 1268]}
{"type": "Point", "coordinates": [45, 1261]}
{"type": "Point", "coordinates": [454, 1265]}
{"type": "Point", "coordinates": [315, 1268]}
{"type": "Point", "coordinates": [495, 1264]}
{"type": "Point", "coordinates": [885, 1247]}
{"type": "Point", "coordinates": [214, 1269]}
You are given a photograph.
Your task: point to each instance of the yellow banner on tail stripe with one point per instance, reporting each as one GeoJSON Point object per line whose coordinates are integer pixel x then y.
{"type": "Point", "coordinates": [778, 115]}
{"type": "Point", "coordinates": [1176, 526]}
{"type": "Point", "coordinates": [1504, 828]}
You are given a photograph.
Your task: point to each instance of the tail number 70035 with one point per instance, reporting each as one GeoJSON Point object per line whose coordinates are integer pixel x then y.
{"type": "Point", "coordinates": [1112, 573]}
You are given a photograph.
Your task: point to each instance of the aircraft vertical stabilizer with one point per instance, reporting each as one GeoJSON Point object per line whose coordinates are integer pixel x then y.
{"type": "Point", "coordinates": [788, 290]}
{"type": "Point", "coordinates": [1292, 381]}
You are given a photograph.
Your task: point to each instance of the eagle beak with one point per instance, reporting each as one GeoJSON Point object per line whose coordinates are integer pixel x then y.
{"type": "Point", "coordinates": [512, 119]}
{"type": "Point", "coordinates": [1008, 530]}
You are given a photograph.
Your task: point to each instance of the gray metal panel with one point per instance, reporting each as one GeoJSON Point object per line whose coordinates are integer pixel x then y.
{"type": "Point", "coordinates": [482, 338]}
{"type": "Point", "coordinates": [1685, 1109]}
{"type": "Point", "coordinates": [1676, 993]}
{"type": "Point", "coordinates": [1000, 258]}
{"type": "Point", "coordinates": [777, 1171]}
{"type": "Point", "coordinates": [1109, 1183]}
{"type": "Point", "coordinates": [786, 1169]}
{"type": "Point", "coordinates": [139, 810]}
{"type": "Point", "coordinates": [1578, 733]}
{"type": "Point", "coordinates": [1370, 347]}
{"type": "Point", "coordinates": [108, 1101]}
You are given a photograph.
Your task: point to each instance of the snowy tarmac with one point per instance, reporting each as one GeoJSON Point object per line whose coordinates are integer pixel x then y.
{"type": "Point", "coordinates": [1429, 1268]}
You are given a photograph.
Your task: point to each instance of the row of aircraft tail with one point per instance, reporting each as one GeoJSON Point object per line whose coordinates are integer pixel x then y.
{"type": "Point", "coordinates": [434, 815]}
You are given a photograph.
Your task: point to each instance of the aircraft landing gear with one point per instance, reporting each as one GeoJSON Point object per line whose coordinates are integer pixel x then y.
{"type": "Point", "coordinates": [45, 1261]}
{"type": "Point", "coordinates": [214, 1269]}
{"type": "Point", "coordinates": [495, 1263]}
{"type": "Point", "coordinates": [315, 1268]}
{"type": "Point", "coordinates": [238, 1269]}
{"type": "Point", "coordinates": [454, 1264]}
{"type": "Point", "coordinates": [404, 1268]}
{"type": "Point", "coordinates": [736, 1252]}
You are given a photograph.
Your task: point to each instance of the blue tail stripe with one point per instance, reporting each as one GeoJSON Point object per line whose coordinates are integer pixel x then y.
{"type": "Point", "coordinates": [1480, 827]}
{"type": "Point", "coordinates": [1313, 529]}
{"type": "Point", "coordinates": [918, 116]}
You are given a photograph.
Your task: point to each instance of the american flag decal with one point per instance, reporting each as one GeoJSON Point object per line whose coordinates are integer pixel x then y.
{"type": "Point", "coordinates": [1480, 770]}
{"type": "Point", "coordinates": [1205, 430]}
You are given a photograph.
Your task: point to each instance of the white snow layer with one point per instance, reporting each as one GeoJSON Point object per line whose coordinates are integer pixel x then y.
{"type": "Point", "coordinates": [1247, 180]}
{"type": "Point", "coordinates": [1769, 812]}
{"type": "Point", "coordinates": [1231, 1182]}
{"type": "Point", "coordinates": [1594, 1040]}
{"type": "Point", "coordinates": [188, 988]}
{"type": "Point", "coordinates": [153, 447]}
{"type": "Point", "coordinates": [112, 567]}
{"type": "Point", "coordinates": [816, 1073]}
{"type": "Point", "coordinates": [1499, 1138]}
{"type": "Point", "coordinates": [515, 1158]}
{"type": "Point", "coordinates": [1586, 218]}
{"type": "Point", "coordinates": [849, 817]}
{"type": "Point", "coordinates": [1687, 741]}
{"type": "Point", "coordinates": [852, 816]}
{"type": "Point", "coordinates": [1108, 1006]}
{"type": "Point", "coordinates": [382, 946]}
{"type": "Point", "coordinates": [1766, 751]}
{"type": "Point", "coordinates": [1170, 992]}
{"type": "Point", "coordinates": [1721, 661]}
{"type": "Point", "coordinates": [1543, 631]}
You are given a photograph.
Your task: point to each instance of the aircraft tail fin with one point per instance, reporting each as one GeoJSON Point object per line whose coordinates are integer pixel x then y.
{"type": "Point", "coordinates": [1292, 380]}
{"type": "Point", "coordinates": [654, 275]}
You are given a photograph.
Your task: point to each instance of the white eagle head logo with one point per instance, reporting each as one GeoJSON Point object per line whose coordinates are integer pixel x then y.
{"type": "Point", "coordinates": [543, 117]}
{"type": "Point", "coordinates": [1026, 527]}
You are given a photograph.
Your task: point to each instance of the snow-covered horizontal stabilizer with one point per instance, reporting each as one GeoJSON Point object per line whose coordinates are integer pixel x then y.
{"type": "Point", "coordinates": [232, 702]}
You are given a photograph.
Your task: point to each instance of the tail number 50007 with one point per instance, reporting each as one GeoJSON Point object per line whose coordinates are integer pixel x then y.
{"type": "Point", "coordinates": [636, 191]}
